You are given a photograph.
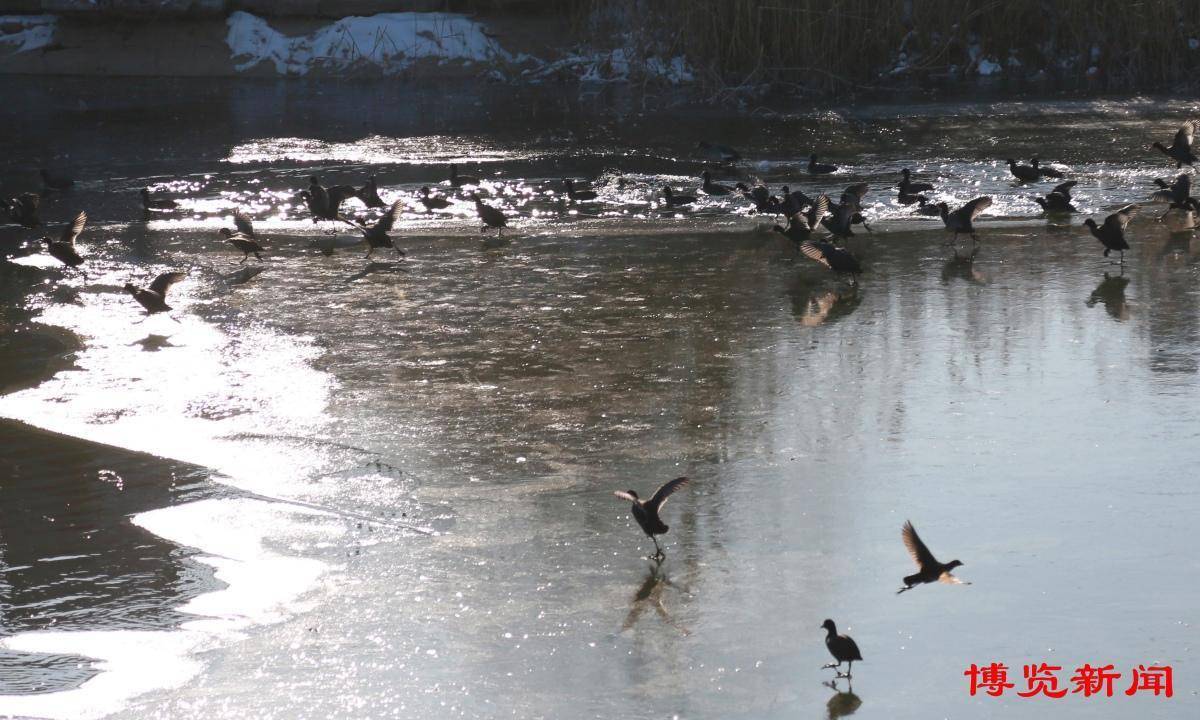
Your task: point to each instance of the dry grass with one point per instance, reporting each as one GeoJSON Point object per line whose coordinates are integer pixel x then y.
{"type": "Point", "coordinates": [831, 46]}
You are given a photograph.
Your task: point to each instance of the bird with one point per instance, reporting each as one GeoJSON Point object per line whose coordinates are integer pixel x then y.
{"type": "Point", "coordinates": [962, 220]}
{"type": "Point", "coordinates": [715, 151]}
{"type": "Point", "coordinates": [793, 202]}
{"type": "Point", "coordinates": [1058, 200]}
{"type": "Point", "coordinates": [459, 180]}
{"type": "Point", "coordinates": [711, 188]}
{"type": "Point", "coordinates": [1045, 171]}
{"type": "Point", "coordinates": [1024, 173]}
{"type": "Point", "coordinates": [160, 201]}
{"type": "Point", "coordinates": [432, 202]}
{"type": "Point", "coordinates": [490, 216]}
{"type": "Point", "coordinates": [816, 168]}
{"type": "Point", "coordinates": [1181, 147]}
{"type": "Point", "coordinates": [63, 249]}
{"type": "Point", "coordinates": [578, 195]}
{"type": "Point", "coordinates": [801, 224]}
{"type": "Point", "coordinates": [839, 260]}
{"type": "Point", "coordinates": [326, 204]}
{"type": "Point", "coordinates": [843, 217]}
{"type": "Point", "coordinates": [928, 208]}
{"type": "Point", "coordinates": [56, 181]}
{"type": "Point", "coordinates": [154, 298]}
{"type": "Point", "coordinates": [246, 243]}
{"type": "Point", "coordinates": [646, 511]}
{"type": "Point", "coordinates": [377, 235]}
{"type": "Point", "coordinates": [369, 194]}
{"type": "Point", "coordinates": [854, 195]}
{"type": "Point", "coordinates": [1181, 217]}
{"type": "Point", "coordinates": [1112, 233]}
{"type": "Point", "coordinates": [911, 199]}
{"type": "Point", "coordinates": [908, 187]}
{"type": "Point", "coordinates": [929, 569]}
{"type": "Point", "coordinates": [23, 209]}
{"type": "Point", "coordinates": [674, 200]}
{"type": "Point", "coordinates": [841, 647]}
{"type": "Point", "coordinates": [764, 202]}
{"type": "Point", "coordinates": [1177, 192]}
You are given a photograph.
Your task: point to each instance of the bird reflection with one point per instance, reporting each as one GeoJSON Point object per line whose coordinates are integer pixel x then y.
{"type": "Point", "coordinates": [650, 594]}
{"type": "Point", "coordinates": [1111, 292]}
{"type": "Point", "coordinates": [813, 306]}
{"type": "Point", "coordinates": [963, 268]}
{"type": "Point", "coordinates": [376, 267]}
{"type": "Point", "coordinates": [154, 343]}
{"type": "Point", "coordinates": [842, 703]}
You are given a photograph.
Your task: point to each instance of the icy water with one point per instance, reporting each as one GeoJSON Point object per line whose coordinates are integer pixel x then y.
{"type": "Point", "coordinates": [351, 488]}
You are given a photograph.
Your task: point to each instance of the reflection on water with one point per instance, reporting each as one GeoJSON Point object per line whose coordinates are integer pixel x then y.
{"type": "Point", "coordinates": [843, 702]}
{"type": "Point", "coordinates": [490, 400]}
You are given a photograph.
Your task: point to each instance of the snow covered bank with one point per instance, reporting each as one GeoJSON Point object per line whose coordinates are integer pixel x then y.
{"type": "Point", "coordinates": [22, 33]}
{"type": "Point", "coordinates": [390, 41]}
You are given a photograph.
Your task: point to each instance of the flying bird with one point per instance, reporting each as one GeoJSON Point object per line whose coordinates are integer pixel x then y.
{"type": "Point", "coordinates": [962, 220]}
{"type": "Point", "coordinates": [842, 648]}
{"type": "Point", "coordinates": [929, 569]}
{"type": "Point", "coordinates": [377, 235]}
{"type": "Point", "coordinates": [63, 249]}
{"type": "Point", "coordinates": [154, 298]}
{"type": "Point", "coordinates": [839, 260]}
{"type": "Point", "coordinates": [646, 511]}
{"type": "Point", "coordinates": [1181, 147]}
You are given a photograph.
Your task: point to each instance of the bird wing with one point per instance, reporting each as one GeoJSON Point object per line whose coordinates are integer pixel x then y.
{"type": "Point", "coordinates": [625, 496]}
{"type": "Point", "coordinates": [338, 194]}
{"type": "Point", "coordinates": [390, 217]}
{"type": "Point", "coordinates": [814, 251]}
{"type": "Point", "coordinates": [976, 207]}
{"type": "Point", "coordinates": [1065, 188]}
{"type": "Point", "coordinates": [241, 220]}
{"type": "Point", "coordinates": [163, 282]}
{"type": "Point", "coordinates": [664, 492]}
{"type": "Point", "coordinates": [817, 212]}
{"type": "Point", "coordinates": [70, 232]}
{"type": "Point", "coordinates": [1183, 138]}
{"type": "Point", "coordinates": [949, 579]}
{"type": "Point", "coordinates": [1120, 219]}
{"type": "Point", "coordinates": [920, 554]}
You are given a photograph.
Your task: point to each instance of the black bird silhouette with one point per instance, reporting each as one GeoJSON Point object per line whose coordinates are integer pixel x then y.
{"type": "Point", "coordinates": [715, 151]}
{"type": "Point", "coordinates": [842, 648]}
{"type": "Point", "coordinates": [929, 569]}
{"type": "Point", "coordinates": [490, 216]}
{"type": "Point", "coordinates": [816, 168]}
{"type": "Point", "coordinates": [246, 243]}
{"type": "Point", "coordinates": [1111, 292]}
{"type": "Point", "coordinates": [369, 194]}
{"type": "Point", "coordinates": [23, 209]}
{"type": "Point", "coordinates": [154, 298]}
{"type": "Point", "coordinates": [646, 511]}
{"type": "Point", "coordinates": [1181, 217]}
{"type": "Point", "coordinates": [911, 198]}
{"type": "Point", "coordinates": [432, 202]}
{"type": "Point", "coordinates": [764, 202]}
{"type": "Point", "coordinates": [1045, 171]}
{"type": "Point", "coordinates": [377, 234]}
{"type": "Point", "coordinates": [839, 260]}
{"type": "Point", "coordinates": [459, 180]}
{"type": "Point", "coordinates": [1112, 233]}
{"type": "Point", "coordinates": [63, 249]}
{"type": "Point", "coordinates": [908, 187]}
{"type": "Point", "coordinates": [1058, 200]}
{"type": "Point", "coordinates": [1181, 147]}
{"type": "Point", "coordinates": [962, 220]}
{"type": "Point", "coordinates": [56, 181]}
{"type": "Point", "coordinates": [674, 200]}
{"type": "Point", "coordinates": [927, 208]}
{"type": "Point", "coordinates": [578, 195]}
{"type": "Point", "coordinates": [853, 196]}
{"type": "Point", "coordinates": [801, 224]}
{"type": "Point", "coordinates": [157, 201]}
{"type": "Point", "coordinates": [842, 218]}
{"type": "Point", "coordinates": [1177, 192]}
{"type": "Point", "coordinates": [326, 204]}
{"type": "Point", "coordinates": [794, 201]}
{"type": "Point", "coordinates": [712, 188]}
{"type": "Point", "coordinates": [1024, 173]}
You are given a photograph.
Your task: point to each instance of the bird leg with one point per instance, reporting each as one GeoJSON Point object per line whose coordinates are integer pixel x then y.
{"type": "Point", "coordinates": [831, 665]}
{"type": "Point", "coordinates": [849, 670]}
{"type": "Point", "coordinates": [906, 588]}
{"type": "Point", "coordinates": [244, 259]}
{"type": "Point", "coordinates": [658, 552]}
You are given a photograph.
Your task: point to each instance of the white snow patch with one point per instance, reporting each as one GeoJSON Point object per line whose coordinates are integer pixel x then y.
{"type": "Point", "coordinates": [22, 33]}
{"type": "Point", "coordinates": [389, 41]}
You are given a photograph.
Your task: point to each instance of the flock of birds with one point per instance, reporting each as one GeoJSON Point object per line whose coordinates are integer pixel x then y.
{"type": "Point", "coordinates": [805, 216]}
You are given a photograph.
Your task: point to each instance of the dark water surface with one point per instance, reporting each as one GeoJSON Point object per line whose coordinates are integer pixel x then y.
{"type": "Point", "coordinates": [388, 491]}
